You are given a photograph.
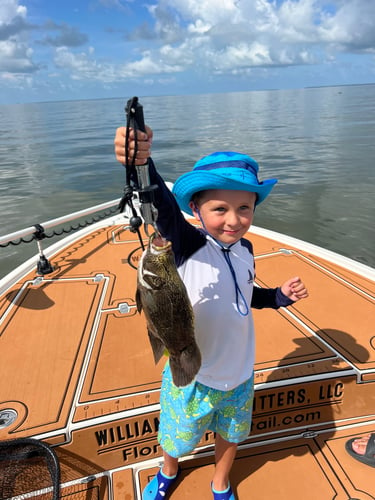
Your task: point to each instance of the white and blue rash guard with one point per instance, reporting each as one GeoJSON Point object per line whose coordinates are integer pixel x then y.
{"type": "Point", "coordinates": [224, 335]}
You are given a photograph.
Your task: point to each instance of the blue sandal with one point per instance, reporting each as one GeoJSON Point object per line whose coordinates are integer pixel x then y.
{"type": "Point", "coordinates": [157, 488]}
{"type": "Point", "coordinates": [223, 495]}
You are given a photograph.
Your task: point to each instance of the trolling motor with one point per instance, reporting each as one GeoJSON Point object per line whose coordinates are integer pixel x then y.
{"type": "Point", "coordinates": [137, 176]}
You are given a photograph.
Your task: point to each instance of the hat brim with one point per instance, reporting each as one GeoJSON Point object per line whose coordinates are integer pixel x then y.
{"type": "Point", "coordinates": [226, 178]}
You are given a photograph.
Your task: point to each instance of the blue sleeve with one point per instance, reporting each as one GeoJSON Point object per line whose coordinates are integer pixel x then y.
{"type": "Point", "coordinates": [269, 297]}
{"type": "Point", "coordinates": [186, 239]}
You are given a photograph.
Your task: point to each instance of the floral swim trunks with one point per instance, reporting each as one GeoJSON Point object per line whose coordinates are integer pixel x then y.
{"type": "Point", "coordinates": [188, 412]}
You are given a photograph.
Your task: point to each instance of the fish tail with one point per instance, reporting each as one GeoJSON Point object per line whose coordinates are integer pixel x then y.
{"type": "Point", "coordinates": [185, 366]}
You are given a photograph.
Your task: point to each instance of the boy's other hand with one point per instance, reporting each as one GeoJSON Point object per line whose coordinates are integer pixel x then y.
{"type": "Point", "coordinates": [294, 289]}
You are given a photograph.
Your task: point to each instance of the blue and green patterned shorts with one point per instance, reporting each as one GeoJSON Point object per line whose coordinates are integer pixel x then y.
{"type": "Point", "coordinates": [188, 412]}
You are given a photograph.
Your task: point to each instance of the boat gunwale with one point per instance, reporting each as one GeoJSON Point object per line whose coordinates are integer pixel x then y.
{"type": "Point", "coordinates": [118, 218]}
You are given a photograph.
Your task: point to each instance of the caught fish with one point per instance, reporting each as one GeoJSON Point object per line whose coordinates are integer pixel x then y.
{"type": "Point", "coordinates": [170, 320]}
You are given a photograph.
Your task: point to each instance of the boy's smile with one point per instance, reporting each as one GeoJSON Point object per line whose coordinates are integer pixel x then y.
{"type": "Point", "coordinates": [225, 214]}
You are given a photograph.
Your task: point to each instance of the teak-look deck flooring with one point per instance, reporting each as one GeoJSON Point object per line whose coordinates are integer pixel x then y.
{"type": "Point", "coordinates": [77, 371]}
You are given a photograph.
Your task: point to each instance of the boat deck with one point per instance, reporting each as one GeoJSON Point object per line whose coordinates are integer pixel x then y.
{"type": "Point", "coordinates": [77, 371]}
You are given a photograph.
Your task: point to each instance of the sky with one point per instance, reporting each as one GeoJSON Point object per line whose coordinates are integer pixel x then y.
{"type": "Point", "coordinates": [53, 50]}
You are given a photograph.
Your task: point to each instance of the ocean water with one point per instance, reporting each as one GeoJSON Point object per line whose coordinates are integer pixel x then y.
{"type": "Point", "coordinates": [58, 157]}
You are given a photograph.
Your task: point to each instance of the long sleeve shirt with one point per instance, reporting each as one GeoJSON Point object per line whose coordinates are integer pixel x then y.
{"type": "Point", "coordinates": [224, 327]}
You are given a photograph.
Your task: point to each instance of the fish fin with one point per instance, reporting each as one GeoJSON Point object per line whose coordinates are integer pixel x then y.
{"type": "Point", "coordinates": [138, 300]}
{"type": "Point", "coordinates": [156, 345]}
{"type": "Point", "coordinates": [185, 366]}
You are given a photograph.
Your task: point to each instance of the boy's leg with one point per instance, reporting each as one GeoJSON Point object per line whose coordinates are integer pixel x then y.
{"type": "Point", "coordinates": [157, 488]}
{"type": "Point", "coordinates": [233, 422]}
{"type": "Point", "coordinates": [170, 466]}
{"type": "Point", "coordinates": [225, 453]}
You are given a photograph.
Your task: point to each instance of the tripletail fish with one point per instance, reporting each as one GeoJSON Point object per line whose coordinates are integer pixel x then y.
{"type": "Point", "coordinates": [162, 296]}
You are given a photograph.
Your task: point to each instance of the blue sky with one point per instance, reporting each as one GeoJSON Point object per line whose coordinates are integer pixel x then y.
{"type": "Point", "coordinates": [83, 49]}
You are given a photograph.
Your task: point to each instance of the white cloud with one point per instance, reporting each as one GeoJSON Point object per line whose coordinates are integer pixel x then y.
{"type": "Point", "coordinates": [203, 37]}
{"type": "Point", "coordinates": [16, 57]}
{"type": "Point", "coordinates": [84, 66]}
{"type": "Point", "coordinates": [15, 53]}
{"type": "Point", "coordinates": [353, 26]}
{"type": "Point", "coordinates": [208, 11]}
{"type": "Point", "coordinates": [238, 34]}
{"type": "Point", "coordinates": [9, 9]}
{"type": "Point", "coordinates": [80, 65]}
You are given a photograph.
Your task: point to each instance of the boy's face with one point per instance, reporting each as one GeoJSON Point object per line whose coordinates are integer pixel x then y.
{"type": "Point", "coordinates": [226, 214]}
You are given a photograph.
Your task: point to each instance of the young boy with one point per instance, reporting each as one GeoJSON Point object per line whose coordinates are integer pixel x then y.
{"type": "Point", "coordinates": [216, 264]}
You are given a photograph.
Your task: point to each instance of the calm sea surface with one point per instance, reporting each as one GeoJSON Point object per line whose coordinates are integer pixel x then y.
{"type": "Point", "coordinates": [57, 157]}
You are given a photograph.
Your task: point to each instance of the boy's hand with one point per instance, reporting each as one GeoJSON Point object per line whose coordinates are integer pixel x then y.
{"type": "Point", "coordinates": [144, 145]}
{"type": "Point", "coordinates": [294, 289]}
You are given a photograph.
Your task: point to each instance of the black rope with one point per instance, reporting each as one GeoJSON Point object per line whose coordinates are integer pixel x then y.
{"type": "Point", "coordinates": [41, 234]}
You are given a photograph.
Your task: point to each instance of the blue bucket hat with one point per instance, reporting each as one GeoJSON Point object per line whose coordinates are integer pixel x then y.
{"type": "Point", "coordinates": [222, 170]}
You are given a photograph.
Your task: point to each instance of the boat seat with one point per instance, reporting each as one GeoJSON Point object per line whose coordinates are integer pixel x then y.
{"type": "Point", "coordinates": [26, 465]}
